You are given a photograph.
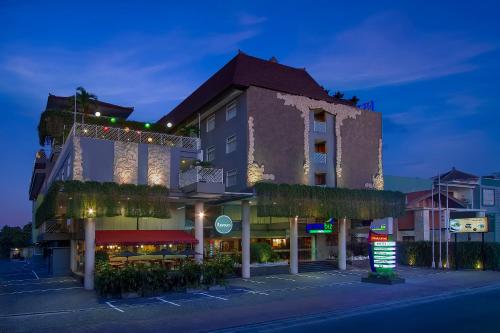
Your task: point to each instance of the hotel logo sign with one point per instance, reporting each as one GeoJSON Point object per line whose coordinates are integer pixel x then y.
{"type": "Point", "coordinates": [223, 224]}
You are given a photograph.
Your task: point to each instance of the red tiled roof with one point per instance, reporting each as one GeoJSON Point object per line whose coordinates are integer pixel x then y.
{"type": "Point", "coordinates": [107, 109]}
{"type": "Point", "coordinates": [135, 237]}
{"type": "Point", "coordinates": [242, 72]}
{"type": "Point", "coordinates": [456, 175]}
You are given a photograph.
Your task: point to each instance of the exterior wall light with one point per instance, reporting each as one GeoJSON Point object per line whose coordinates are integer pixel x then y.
{"type": "Point", "coordinates": [90, 211]}
{"type": "Point", "coordinates": [201, 215]}
{"type": "Point", "coordinates": [97, 114]}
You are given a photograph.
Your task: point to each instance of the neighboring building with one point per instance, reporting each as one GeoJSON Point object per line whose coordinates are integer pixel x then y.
{"type": "Point", "coordinates": [106, 109]}
{"type": "Point", "coordinates": [463, 195]}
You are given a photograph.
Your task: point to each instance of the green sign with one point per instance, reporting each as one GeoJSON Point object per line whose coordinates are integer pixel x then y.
{"type": "Point", "coordinates": [223, 224]}
{"type": "Point", "coordinates": [384, 255]}
{"type": "Point", "coordinates": [319, 228]}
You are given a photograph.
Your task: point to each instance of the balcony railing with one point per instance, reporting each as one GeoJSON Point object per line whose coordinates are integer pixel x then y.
{"type": "Point", "coordinates": [199, 174]}
{"type": "Point", "coordinates": [319, 126]}
{"type": "Point", "coordinates": [319, 158]}
{"type": "Point", "coordinates": [128, 135]}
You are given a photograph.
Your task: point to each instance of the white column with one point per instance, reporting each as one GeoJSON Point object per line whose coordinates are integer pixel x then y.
{"type": "Point", "coordinates": [342, 260]}
{"type": "Point", "coordinates": [73, 255]}
{"type": "Point", "coordinates": [88, 281]}
{"type": "Point", "coordinates": [294, 246]}
{"type": "Point", "coordinates": [198, 230]}
{"type": "Point", "coordinates": [313, 247]}
{"type": "Point", "coordinates": [245, 239]}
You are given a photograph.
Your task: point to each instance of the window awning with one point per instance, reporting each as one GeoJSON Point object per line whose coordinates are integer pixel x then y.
{"type": "Point", "coordinates": [135, 237]}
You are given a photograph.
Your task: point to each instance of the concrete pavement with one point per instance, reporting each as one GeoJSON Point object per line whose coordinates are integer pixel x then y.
{"type": "Point", "coordinates": [57, 304]}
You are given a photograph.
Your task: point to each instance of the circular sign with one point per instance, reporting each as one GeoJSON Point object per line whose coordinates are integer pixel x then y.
{"type": "Point", "coordinates": [223, 224]}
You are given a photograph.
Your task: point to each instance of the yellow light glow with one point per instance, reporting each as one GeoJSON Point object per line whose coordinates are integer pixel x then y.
{"type": "Point", "coordinates": [90, 211]}
{"type": "Point", "coordinates": [201, 215]}
{"type": "Point", "coordinates": [150, 139]}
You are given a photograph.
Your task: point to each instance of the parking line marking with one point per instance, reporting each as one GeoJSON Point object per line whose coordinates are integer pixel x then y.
{"type": "Point", "coordinates": [254, 292]}
{"type": "Point", "coordinates": [253, 281]}
{"type": "Point", "coordinates": [36, 283]}
{"type": "Point", "coordinates": [114, 307]}
{"type": "Point", "coordinates": [36, 275]}
{"type": "Point", "coordinates": [279, 278]}
{"type": "Point", "coordinates": [208, 295]}
{"type": "Point", "coordinates": [165, 301]}
{"type": "Point", "coordinates": [38, 291]}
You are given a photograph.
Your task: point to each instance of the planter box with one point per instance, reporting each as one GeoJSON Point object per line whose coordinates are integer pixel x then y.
{"type": "Point", "coordinates": [382, 280]}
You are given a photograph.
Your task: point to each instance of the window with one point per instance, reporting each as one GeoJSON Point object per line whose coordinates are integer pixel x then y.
{"type": "Point", "coordinates": [488, 197]}
{"type": "Point", "coordinates": [231, 178]}
{"type": "Point", "coordinates": [320, 147]}
{"type": "Point", "coordinates": [210, 123]}
{"type": "Point", "coordinates": [231, 111]}
{"type": "Point", "coordinates": [210, 154]}
{"type": "Point", "coordinates": [230, 144]}
{"type": "Point", "coordinates": [320, 179]}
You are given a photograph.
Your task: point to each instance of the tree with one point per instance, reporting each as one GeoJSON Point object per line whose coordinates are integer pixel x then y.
{"type": "Point", "coordinates": [354, 100]}
{"type": "Point", "coordinates": [338, 95]}
{"type": "Point", "coordinates": [14, 237]}
{"type": "Point", "coordinates": [85, 99]}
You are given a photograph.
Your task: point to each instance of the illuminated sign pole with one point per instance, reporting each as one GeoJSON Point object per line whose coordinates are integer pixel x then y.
{"type": "Point", "coordinates": [382, 247]}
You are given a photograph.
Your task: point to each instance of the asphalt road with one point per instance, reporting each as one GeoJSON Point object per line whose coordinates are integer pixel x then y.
{"type": "Point", "coordinates": [32, 302]}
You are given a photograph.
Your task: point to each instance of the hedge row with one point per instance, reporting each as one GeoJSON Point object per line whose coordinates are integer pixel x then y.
{"type": "Point", "coordinates": [469, 254]}
{"type": "Point", "coordinates": [112, 281]}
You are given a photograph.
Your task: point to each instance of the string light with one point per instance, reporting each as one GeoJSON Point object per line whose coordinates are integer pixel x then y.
{"type": "Point", "coordinates": [150, 139]}
{"type": "Point", "coordinates": [113, 120]}
{"type": "Point", "coordinates": [169, 125]}
{"type": "Point", "coordinates": [97, 114]}
{"type": "Point", "coordinates": [147, 125]}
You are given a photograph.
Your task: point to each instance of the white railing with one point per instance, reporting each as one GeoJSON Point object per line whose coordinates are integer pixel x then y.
{"type": "Point", "coordinates": [319, 127]}
{"type": "Point", "coordinates": [129, 135]}
{"type": "Point", "coordinates": [199, 174]}
{"type": "Point", "coordinates": [320, 158]}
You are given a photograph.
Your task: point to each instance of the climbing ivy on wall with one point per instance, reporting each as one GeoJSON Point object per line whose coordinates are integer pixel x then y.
{"type": "Point", "coordinates": [282, 200]}
{"type": "Point", "coordinates": [73, 199]}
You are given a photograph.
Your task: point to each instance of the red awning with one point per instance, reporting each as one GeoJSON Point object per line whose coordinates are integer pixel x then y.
{"type": "Point", "coordinates": [135, 237]}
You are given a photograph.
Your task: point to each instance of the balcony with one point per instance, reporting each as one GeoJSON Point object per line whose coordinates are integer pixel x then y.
{"type": "Point", "coordinates": [319, 158]}
{"type": "Point", "coordinates": [53, 230]}
{"type": "Point", "coordinates": [319, 126]}
{"type": "Point", "coordinates": [127, 135]}
{"type": "Point", "coordinates": [200, 179]}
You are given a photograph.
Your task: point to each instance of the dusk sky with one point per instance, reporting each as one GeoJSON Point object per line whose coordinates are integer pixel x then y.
{"type": "Point", "coordinates": [432, 69]}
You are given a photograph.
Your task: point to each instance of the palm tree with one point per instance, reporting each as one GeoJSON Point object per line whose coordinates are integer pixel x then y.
{"type": "Point", "coordinates": [85, 99]}
{"type": "Point", "coordinates": [338, 95]}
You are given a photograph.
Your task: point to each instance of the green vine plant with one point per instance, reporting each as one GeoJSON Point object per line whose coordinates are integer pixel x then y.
{"type": "Point", "coordinates": [284, 200]}
{"type": "Point", "coordinates": [75, 199]}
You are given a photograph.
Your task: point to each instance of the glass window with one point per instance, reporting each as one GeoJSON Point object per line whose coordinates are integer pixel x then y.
{"type": "Point", "coordinates": [320, 179]}
{"type": "Point", "coordinates": [210, 154]}
{"type": "Point", "coordinates": [231, 111]}
{"type": "Point", "coordinates": [230, 144]}
{"type": "Point", "coordinates": [488, 197]}
{"type": "Point", "coordinates": [210, 123]}
{"type": "Point", "coordinates": [231, 178]}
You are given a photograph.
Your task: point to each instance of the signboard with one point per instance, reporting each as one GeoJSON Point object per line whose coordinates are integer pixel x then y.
{"type": "Point", "coordinates": [472, 224]}
{"type": "Point", "coordinates": [377, 238]}
{"type": "Point", "coordinates": [379, 227]}
{"type": "Point", "coordinates": [320, 228]}
{"type": "Point", "coordinates": [223, 224]}
{"type": "Point", "coordinates": [384, 255]}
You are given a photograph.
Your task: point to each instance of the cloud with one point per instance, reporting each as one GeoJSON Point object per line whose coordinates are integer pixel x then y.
{"type": "Point", "coordinates": [152, 73]}
{"type": "Point", "coordinates": [249, 19]}
{"type": "Point", "coordinates": [386, 49]}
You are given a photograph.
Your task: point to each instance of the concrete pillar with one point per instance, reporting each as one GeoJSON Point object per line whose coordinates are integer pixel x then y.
{"type": "Point", "coordinates": [88, 281]}
{"type": "Point", "coordinates": [294, 246]}
{"type": "Point", "coordinates": [313, 247]}
{"type": "Point", "coordinates": [73, 255]}
{"type": "Point", "coordinates": [245, 239]}
{"type": "Point", "coordinates": [342, 258]}
{"type": "Point", "coordinates": [198, 230]}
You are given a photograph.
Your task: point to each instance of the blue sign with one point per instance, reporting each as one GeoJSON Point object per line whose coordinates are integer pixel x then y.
{"type": "Point", "coordinates": [223, 224]}
{"type": "Point", "coordinates": [320, 228]}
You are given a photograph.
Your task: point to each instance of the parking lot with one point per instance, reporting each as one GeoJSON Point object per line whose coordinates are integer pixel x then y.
{"type": "Point", "coordinates": [32, 301]}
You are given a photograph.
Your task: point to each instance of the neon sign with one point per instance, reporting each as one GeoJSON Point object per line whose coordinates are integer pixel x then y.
{"type": "Point", "coordinates": [320, 228]}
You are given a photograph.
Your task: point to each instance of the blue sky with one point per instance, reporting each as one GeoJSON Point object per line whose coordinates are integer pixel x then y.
{"type": "Point", "coordinates": [432, 69]}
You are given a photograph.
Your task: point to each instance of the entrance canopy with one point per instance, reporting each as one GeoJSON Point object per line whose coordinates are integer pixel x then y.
{"type": "Point", "coordinates": [137, 237]}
